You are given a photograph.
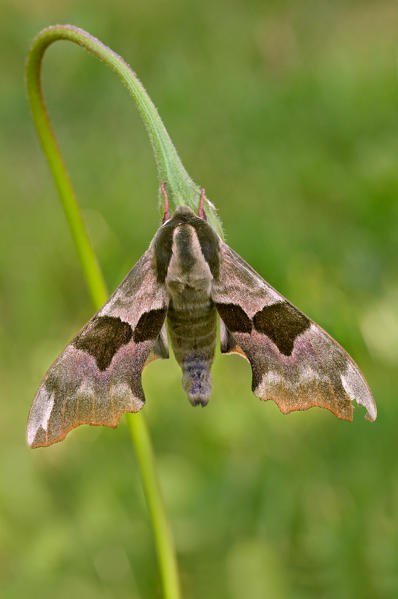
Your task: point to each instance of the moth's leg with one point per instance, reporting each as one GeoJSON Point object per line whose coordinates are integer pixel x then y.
{"type": "Point", "coordinates": [160, 349]}
{"type": "Point", "coordinates": [166, 216]}
{"type": "Point", "coordinates": [201, 212]}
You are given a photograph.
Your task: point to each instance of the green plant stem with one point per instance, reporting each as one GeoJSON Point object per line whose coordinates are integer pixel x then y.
{"type": "Point", "coordinates": [143, 446]}
{"type": "Point", "coordinates": [95, 281]}
{"type": "Point", "coordinates": [182, 191]}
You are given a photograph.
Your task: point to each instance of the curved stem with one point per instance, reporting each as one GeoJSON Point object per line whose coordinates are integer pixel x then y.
{"type": "Point", "coordinates": [95, 281]}
{"type": "Point", "coordinates": [181, 189]}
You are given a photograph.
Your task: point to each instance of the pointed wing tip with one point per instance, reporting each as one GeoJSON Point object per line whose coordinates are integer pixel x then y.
{"type": "Point", "coordinates": [31, 433]}
{"type": "Point", "coordinates": [358, 390]}
{"type": "Point", "coordinates": [371, 413]}
{"type": "Point", "coordinates": [370, 405]}
{"type": "Point", "coordinates": [366, 401]}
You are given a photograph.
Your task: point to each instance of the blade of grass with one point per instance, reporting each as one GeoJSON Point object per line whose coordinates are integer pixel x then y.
{"type": "Point", "coordinates": [181, 191]}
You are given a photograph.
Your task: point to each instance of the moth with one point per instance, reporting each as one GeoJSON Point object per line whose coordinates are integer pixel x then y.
{"type": "Point", "coordinates": [190, 279]}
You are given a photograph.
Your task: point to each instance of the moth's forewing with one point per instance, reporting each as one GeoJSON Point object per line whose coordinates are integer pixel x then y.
{"type": "Point", "coordinates": [294, 361]}
{"type": "Point", "coordinates": [98, 376]}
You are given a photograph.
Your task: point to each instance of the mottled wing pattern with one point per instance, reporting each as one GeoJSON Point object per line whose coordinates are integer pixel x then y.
{"type": "Point", "coordinates": [294, 361]}
{"type": "Point", "coordinates": [98, 375]}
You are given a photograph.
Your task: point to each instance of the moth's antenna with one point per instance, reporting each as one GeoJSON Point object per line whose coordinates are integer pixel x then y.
{"type": "Point", "coordinates": [202, 205]}
{"type": "Point", "coordinates": [166, 216]}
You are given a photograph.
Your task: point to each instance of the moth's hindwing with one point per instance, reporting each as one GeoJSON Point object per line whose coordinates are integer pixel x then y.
{"type": "Point", "coordinates": [294, 361]}
{"type": "Point", "coordinates": [98, 376]}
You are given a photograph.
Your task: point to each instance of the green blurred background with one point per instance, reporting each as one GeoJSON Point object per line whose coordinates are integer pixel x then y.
{"type": "Point", "coordinates": [287, 112]}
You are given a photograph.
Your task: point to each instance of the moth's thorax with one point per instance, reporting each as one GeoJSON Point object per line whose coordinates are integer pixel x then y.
{"type": "Point", "coordinates": [188, 273]}
{"type": "Point", "coordinates": [186, 249]}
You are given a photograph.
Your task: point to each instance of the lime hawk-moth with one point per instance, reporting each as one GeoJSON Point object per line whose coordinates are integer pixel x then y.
{"type": "Point", "coordinates": [189, 278]}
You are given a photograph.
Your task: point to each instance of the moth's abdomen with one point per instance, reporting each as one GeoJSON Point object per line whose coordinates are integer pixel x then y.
{"type": "Point", "coordinates": [193, 330]}
{"type": "Point", "coordinates": [196, 379]}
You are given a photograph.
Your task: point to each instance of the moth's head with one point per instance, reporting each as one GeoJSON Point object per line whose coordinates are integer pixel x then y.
{"type": "Point", "coordinates": [187, 226]}
{"type": "Point", "coordinates": [182, 210]}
